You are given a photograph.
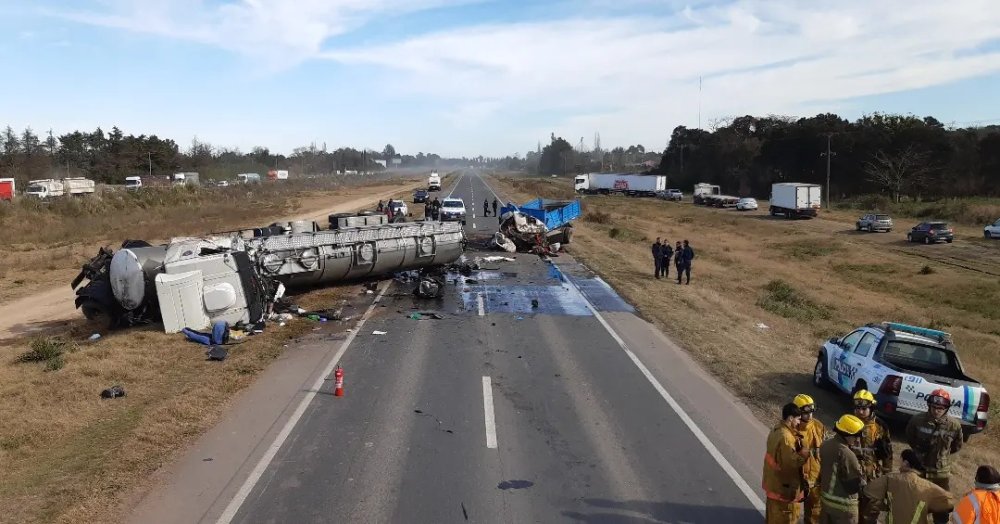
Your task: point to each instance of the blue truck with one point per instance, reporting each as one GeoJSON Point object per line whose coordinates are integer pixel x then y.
{"type": "Point", "coordinates": [556, 215]}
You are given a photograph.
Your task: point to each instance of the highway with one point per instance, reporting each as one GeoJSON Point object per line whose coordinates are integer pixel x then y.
{"type": "Point", "coordinates": [539, 396]}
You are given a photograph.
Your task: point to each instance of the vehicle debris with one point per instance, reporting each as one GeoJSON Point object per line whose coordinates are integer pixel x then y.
{"type": "Point", "coordinates": [377, 332]}
{"type": "Point", "coordinates": [113, 392]}
{"type": "Point", "coordinates": [217, 353]}
{"type": "Point", "coordinates": [496, 259]}
{"type": "Point", "coordinates": [239, 277]}
{"type": "Point", "coordinates": [537, 226]}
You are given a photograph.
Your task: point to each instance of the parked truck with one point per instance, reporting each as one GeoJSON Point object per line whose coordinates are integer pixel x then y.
{"type": "Point", "coordinates": [551, 217]}
{"type": "Point", "coordinates": [434, 182]}
{"type": "Point", "coordinates": [8, 188]}
{"type": "Point", "coordinates": [185, 179]}
{"type": "Point", "coordinates": [276, 174]}
{"type": "Point", "coordinates": [794, 199]}
{"type": "Point", "coordinates": [711, 195]}
{"type": "Point", "coordinates": [133, 183]}
{"type": "Point", "coordinates": [631, 184]}
{"type": "Point", "coordinates": [54, 188]}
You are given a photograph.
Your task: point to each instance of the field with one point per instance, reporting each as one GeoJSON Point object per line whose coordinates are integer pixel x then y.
{"type": "Point", "coordinates": [66, 455]}
{"type": "Point", "coordinates": [765, 293]}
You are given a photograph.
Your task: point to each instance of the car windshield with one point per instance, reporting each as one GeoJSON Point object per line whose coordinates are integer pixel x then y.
{"type": "Point", "coordinates": [881, 217]}
{"type": "Point", "coordinates": [918, 357]}
{"type": "Point", "coordinates": [746, 200]}
{"type": "Point", "coordinates": [35, 189]}
{"type": "Point", "coordinates": [938, 225]}
{"type": "Point", "coordinates": [453, 203]}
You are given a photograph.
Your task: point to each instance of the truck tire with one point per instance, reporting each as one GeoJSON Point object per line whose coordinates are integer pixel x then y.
{"type": "Point", "coordinates": [567, 234]}
{"type": "Point", "coordinates": [820, 377]}
{"type": "Point", "coordinates": [98, 314]}
{"type": "Point", "coordinates": [858, 386]}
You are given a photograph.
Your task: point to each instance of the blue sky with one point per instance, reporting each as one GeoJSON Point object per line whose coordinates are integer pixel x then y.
{"type": "Point", "coordinates": [468, 77]}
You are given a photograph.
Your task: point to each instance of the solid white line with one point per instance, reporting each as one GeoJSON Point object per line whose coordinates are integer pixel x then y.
{"type": "Point", "coordinates": [750, 494]}
{"type": "Point", "coordinates": [457, 182]}
{"type": "Point", "coordinates": [491, 423]}
{"type": "Point", "coordinates": [480, 306]}
{"type": "Point", "coordinates": [265, 461]}
{"type": "Point", "coordinates": [495, 195]}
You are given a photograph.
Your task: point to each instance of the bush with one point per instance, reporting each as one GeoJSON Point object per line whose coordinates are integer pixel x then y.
{"type": "Point", "coordinates": [44, 350]}
{"type": "Point", "coordinates": [597, 217]}
{"type": "Point", "coordinates": [784, 300]}
{"type": "Point", "coordinates": [926, 270]}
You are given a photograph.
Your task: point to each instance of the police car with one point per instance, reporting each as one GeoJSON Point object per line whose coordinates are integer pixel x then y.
{"type": "Point", "coordinates": [902, 364]}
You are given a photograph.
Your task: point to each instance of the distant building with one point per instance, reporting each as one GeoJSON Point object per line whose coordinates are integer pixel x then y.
{"type": "Point", "coordinates": [381, 163]}
{"type": "Point", "coordinates": [396, 161]}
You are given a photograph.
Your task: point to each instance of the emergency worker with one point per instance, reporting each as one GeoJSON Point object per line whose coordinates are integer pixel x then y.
{"type": "Point", "coordinates": [783, 460]}
{"type": "Point", "coordinates": [905, 496]}
{"type": "Point", "coordinates": [840, 477]}
{"type": "Point", "coordinates": [982, 504]}
{"type": "Point", "coordinates": [813, 434]}
{"type": "Point", "coordinates": [935, 437]}
{"type": "Point", "coordinates": [875, 451]}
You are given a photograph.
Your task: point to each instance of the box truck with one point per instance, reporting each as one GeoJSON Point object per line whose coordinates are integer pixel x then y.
{"type": "Point", "coordinates": [186, 178]}
{"type": "Point", "coordinates": [631, 184]}
{"type": "Point", "coordinates": [434, 182]}
{"type": "Point", "coordinates": [794, 199]}
{"type": "Point", "coordinates": [52, 188]}
{"type": "Point", "coordinates": [7, 189]}
{"type": "Point", "coordinates": [133, 183]}
{"type": "Point", "coordinates": [277, 174]}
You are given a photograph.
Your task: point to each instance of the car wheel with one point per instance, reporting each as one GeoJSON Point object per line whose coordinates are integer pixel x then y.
{"type": "Point", "coordinates": [871, 229]}
{"type": "Point", "coordinates": [987, 235]}
{"type": "Point", "coordinates": [857, 227]}
{"type": "Point", "coordinates": [949, 240]}
{"type": "Point", "coordinates": [927, 240]}
{"type": "Point", "coordinates": [820, 378]}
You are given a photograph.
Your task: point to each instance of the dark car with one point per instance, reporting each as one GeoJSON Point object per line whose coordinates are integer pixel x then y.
{"type": "Point", "coordinates": [420, 196]}
{"type": "Point", "coordinates": [931, 232]}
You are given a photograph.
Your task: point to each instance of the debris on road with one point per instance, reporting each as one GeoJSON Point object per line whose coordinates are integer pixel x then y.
{"type": "Point", "coordinates": [496, 259]}
{"type": "Point", "coordinates": [539, 226]}
{"type": "Point", "coordinates": [423, 315]}
{"type": "Point", "coordinates": [377, 332]}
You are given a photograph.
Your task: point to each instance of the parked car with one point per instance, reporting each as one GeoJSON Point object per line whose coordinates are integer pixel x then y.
{"type": "Point", "coordinates": [746, 204]}
{"type": "Point", "coordinates": [931, 232]}
{"type": "Point", "coordinates": [874, 222]}
{"type": "Point", "coordinates": [453, 209]}
{"type": "Point", "coordinates": [399, 208]}
{"type": "Point", "coordinates": [674, 194]}
{"type": "Point", "coordinates": [902, 364]}
{"type": "Point", "coordinates": [992, 230]}
{"type": "Point", "coordinates": [420, 196]}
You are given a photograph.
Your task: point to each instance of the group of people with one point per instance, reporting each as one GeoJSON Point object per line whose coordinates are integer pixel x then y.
{"type": "Point", "coordinates": [847, 477]}
{"type": "Point", "coordinates": [388, 208]}
{"type": "Point", "coordinates": [682, 255]}
{"type": "Point", "coordinates": [432, 209]}
{"type": "Point", "coordinates": [486, 207]}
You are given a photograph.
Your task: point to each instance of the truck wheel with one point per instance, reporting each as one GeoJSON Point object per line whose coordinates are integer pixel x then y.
{"type": "Point", "coordinates": [858, 386]}
{"type": "Point", "coordinates": [98, 314]}
{"type": "Point", "coordinates": [567, 234]}
{"type": "Point", "coordinates": [820, 378]}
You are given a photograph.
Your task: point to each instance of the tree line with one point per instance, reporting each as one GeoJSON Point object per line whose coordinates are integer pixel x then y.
{"type": "Point", "coordinates": [894, 155]}
{"type": "Point", "coordinates": [111, 156]}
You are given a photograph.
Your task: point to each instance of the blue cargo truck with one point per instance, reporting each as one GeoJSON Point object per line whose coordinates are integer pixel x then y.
{"type": "Point", "coordinates": [555, 214]}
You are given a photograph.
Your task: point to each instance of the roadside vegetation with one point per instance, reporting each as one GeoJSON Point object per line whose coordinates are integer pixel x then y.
{"type": "Point", "coordinates": [765, 293]}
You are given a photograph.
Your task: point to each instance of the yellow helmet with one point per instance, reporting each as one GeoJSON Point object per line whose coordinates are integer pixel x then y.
{"type": "Point", "coordinates": [850, 425]}
{"type": "Point", "coordinates": [804, 402]}
{"type": "Point", "coordinates": [864, 399]}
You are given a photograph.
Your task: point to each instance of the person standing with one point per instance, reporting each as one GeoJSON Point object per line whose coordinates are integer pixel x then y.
{"type": "Point", "coordinates": [486, 207]}
{"type": "Point", "coordinates": [381, 206]}
{"type": "Point", "coordinates": [840, 479]}
{"type": "Point", "coordinates": [906, 496]}
{"type": "Point", "coordinates": [875, 451]}
{"type": "Point", "coordinates": [935, 437]}
{"type": "Point", "coordinates": [685, 255]}
{"type": "Point", "coordinates": [982, 504]}
{"type": "Point", "coordinates": [783, 460]}
{"type": "Point", "coordinates": [813, 433]}
{"type": "Point", "coordinates": [666, 252]}
{"type": "Point", "coordinates": [427, 211]}
{"type": "Point", "coordinates": [657, 250]}
{"type": "Point", "coordinates": [495, 207]}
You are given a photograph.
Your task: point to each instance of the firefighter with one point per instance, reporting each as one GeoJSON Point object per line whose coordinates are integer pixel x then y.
{"type": "Point", "coordinates": [813, 434]}
{"type": "Point", "coordinates": [982, 504]}
{"type": "Point", "coordinates": [783, 460]}
{"type": "Point", "coordinates": [905, 495]}
{"type": "Point", "coordinates": [935, 437]}
{"type": "Point", "coordinates": [840, 474]}
{"type": "Point", "coordinates": [875, 451]}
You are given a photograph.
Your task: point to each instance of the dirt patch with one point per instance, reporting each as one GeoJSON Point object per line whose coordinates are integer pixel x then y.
{"type": "Point", "coordinates": [765, 293]}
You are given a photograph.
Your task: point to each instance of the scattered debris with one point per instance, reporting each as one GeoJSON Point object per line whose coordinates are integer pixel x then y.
{"type": "Point", "coordinates": [95, 336]}
{"type": "Point", "coordinates": [761, 325]}
{"type": "Point", "coordinates": [423, 315]}
{"type": "Point", "coordinates": [113, 392]}
{"type": "Point", "coordinates": [515, 484]}
{"type": "Point", "coordinates": [217, 353]}
{"type": "Point", "coordinates": [497, 259]}
{"type": "Point", "coordinates": [534, 303]}
{"type": "Point", "coordinates": [377, 332]}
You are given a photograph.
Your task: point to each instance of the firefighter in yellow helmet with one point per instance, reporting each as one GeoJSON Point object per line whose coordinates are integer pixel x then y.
{"type": "Point", "coordinates": [875, 451]}
{"type": "Point", "coordinates": [783, 460]}
{"type": "Point", "coordinates": [813, 434]}
{"type": "Point", "coordinates": [840, 479]}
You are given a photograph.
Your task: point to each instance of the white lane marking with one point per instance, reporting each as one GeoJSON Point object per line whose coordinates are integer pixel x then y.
{"type": "Point", "coordinates": [473, 225]}
{"type": "Point", "coordinates": [491, 423]}
{"type": "Point", "coordinates": [457, 182]}
{"type": "Point", "coordinates": [473, 216]}
{"type": "Point", "coordinates": [750, 494]}
{"type": "Point", "coordinates": [480, 305]}
{"type": "Point", "coordinates": [265, 461]}
{"type": "Point", "coordinates": [495, 195]}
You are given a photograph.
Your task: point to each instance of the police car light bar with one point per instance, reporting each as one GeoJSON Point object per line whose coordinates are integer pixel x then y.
{"type": "Point", "coordinates": [921, 331]}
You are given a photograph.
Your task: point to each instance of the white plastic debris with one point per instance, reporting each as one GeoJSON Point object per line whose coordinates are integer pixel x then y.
{"type": "Point", "coordinates": [377, 332]}
{"type": "Point", "coordinates": [497, 259]}
{"type": "Point", "coordinates": [95, 336]}
{"type": "Point", "coordinates": [761, 325]}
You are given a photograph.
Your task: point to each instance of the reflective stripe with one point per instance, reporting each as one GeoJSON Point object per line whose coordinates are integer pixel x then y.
{"type": "Point", "coordinates": [774, 496]}
{"type": "Point", "coordinates": [841, 503]}
{"type": "Point", "coordinates": [974, 502]}
{"type": "Point", "coordinates": [917, 512]}
{"type": "Point", "coordinates": [888, 516]}
{"type": "Point", "coordinates": [771, 463]}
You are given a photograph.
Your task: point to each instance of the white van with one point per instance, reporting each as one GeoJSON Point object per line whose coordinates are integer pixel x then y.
{"type": "Point", "coordinates": [133, 182]}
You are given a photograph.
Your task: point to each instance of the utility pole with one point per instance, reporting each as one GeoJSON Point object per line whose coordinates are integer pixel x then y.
{"type": "Point", "coordinates": [828, 154]}
{"type": "Point", "coordinates": [149, 157]}
{"type": "Point", "coordinates": [682, 158]}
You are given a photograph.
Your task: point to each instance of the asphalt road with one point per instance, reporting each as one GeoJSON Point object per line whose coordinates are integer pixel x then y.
{"type": "Point", "coordinates": [500, 411]}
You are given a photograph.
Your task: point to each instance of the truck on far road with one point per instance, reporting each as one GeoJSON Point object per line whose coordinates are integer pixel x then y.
{"type": "Point", "coordinates": [53, 188]}
{"type": "Point", "coordinates": [248, 178]}
{"type": "Point", "coordinates": [7, 189]}
{"type": "Point", "coordinates": [133, 183]}
{"type": "Point", "coordinates": [185, 179]}
{"type": "Point", "coordinates": [794, 199]}
{"type": "Point", "coordinates": [276, 174]}
{"type": "Point", "coordinates": [702, 190]}
{"type": "Point", "coordinates": [631, 184]}
{"type": "Point", "coordinates": [434, 182]}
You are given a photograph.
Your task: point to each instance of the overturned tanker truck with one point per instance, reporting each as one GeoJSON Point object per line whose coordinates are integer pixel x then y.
{"type": "Point", "coordinates": [237, 277]}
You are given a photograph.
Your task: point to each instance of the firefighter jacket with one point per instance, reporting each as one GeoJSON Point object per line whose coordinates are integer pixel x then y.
{"type": "Point", "coordinates": [813, 436]}
{"type": "Point", "coordinates": [840, 479]}
{"type": "Point", "coordinates": [980, 505]}
{"type": "Point", "coordinates": [782, 479]}
{"type": "Point", "coordinates": [906, 497]}
{"type": "Point", "coordinates": [875, 451]}
{"type": "Point", "coordinates": [934, 440]}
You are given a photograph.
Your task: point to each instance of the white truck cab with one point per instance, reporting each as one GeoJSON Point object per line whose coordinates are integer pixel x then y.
{"type": "Point", "coordinates": [133, 182]}
{"type": "Point", "coordinates": [434, 182]}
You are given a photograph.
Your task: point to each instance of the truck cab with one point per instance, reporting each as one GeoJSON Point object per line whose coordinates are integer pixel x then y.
{"type": "Point", "coordinates": [702, 191]}
{"type": "Point", "coordinates": [133, 183]}
{"type": "Point", "coordinates": [43, 189]}
{"type": "Point", "coordinates": [248, 178]}
{"type": "Point", "coordinates": [902, 364]}
{"type": "Point", "coordinates": [434, 182]}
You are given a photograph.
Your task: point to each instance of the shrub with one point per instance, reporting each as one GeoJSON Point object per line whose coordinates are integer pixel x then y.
{"type": "Point", "coordinates": [44, 350]}
{"type": "Point", "coordinates": [597, 217]}
{"type": "Point", "coordinates": [926, 270]}
{"type": "Point", "coordinates": [784, 300]}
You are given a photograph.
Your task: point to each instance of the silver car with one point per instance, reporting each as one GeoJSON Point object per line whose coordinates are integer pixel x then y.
{"type": "Point", "coordinates": [874, 222]}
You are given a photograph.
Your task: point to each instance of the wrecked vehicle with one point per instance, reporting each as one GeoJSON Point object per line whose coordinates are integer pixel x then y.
{"type": "Point", "coordinates": [539, 225]}
{"type": "Point", "coordinates": [237, 277]}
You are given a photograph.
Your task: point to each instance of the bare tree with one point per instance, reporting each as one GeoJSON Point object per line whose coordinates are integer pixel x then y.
{"type": "Point", "coordinates": [899, 172]}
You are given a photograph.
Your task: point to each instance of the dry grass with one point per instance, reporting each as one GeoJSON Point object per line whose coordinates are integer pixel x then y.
{"type": "Point", "coordinates": [803, 280]}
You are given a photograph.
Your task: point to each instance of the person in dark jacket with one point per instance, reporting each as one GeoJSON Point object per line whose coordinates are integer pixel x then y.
{"type": "Point", "coordinates": [494, 206]}
{"type": "Point", "coordinates": [486, 207]}
{"type": "Point", "coordinates": [657, 257]}
{"type": "Point", "coordinates": [381, 206]}
{"type": "Point", "coordinates": [666, 253]}
{"type": "Point", "coordinates": [679, 259]}
{"type": "Point", "coordinates": [685, 255]}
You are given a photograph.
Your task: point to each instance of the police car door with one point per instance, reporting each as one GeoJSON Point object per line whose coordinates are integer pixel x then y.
{"type": "Point", "coordinates": [860, 359]}
{"type": "Point", "coordinates": [842, 371]}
